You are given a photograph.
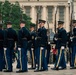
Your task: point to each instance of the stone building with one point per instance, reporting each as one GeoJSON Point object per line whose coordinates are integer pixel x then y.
{"type": "Point", "coordinates": [47, 10]}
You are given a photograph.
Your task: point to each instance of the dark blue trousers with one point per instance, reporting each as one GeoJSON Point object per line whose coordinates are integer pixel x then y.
{"type": "Point", "coordinates": [73, 56]}
{"type": "Point", "coordinates": [8, 59]}
{"type": "Point", "coordinates": [23, 56]}
{"type": "Point", "coordinates": [1, 59]}
{"type": "Point", "coordinates": [23, 59]}
{"type": "Point", "coordinates": [32, 55]}
{"type": "Point", "coordinates": [37, 52]}
{"type": "Point", "coordinates": [44, 60]}
{"type": "Point", "coordinates": [48, 55]}
{"type": "Point", "coordinates": [60, 59]}
{"type": "Point", "coordinates": [41, 59]}
{"type": "Point", "coordinates": [18, 60]}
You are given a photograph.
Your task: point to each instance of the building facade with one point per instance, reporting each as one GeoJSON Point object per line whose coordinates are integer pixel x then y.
{"type": "Point", "coordinates": [46, 10]}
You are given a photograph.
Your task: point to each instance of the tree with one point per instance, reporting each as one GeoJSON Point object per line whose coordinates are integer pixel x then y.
{"type": "Point", "coordinates": [0, 12]}
{"type": "Point", "coordinates": [14, 13]}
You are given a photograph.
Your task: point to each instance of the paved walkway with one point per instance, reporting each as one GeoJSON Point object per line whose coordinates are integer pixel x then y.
{"type": "Point", "coordinates": [49, 72]}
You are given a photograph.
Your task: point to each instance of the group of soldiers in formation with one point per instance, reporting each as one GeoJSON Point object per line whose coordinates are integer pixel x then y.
{"type": "Point", "coordinates": [37, 43]}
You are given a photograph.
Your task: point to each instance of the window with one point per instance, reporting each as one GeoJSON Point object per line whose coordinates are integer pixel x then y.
{"type": "Point", "coordinates": [61, 13]}
{"type": "Point", "coordinates": [28, 10]}
{"type": "Point", "coordinates": [50, 14]}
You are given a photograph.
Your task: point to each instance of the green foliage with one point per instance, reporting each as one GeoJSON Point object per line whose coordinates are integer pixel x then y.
{"type": "Point", "coordinates": [14, 13]}
{"type": "Point", "coordinates": [0, 10]}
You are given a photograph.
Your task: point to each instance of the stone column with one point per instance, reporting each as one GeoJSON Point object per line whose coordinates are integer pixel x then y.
{"type": "Point", "coordinates": [67, 19]}
{"type": "Point", "coordinates": [44, 14]}
{"type": "Point", "coordinates": [33, 14]}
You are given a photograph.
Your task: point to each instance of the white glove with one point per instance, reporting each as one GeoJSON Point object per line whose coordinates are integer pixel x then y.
{"type": "Point", "coordinates": [5, 49]}
{"type": "Point", "coordinates": [19, 49]}
{"type": "Point", "coordinates": [35, 38]}
{"type": "Point", "coordinates": [48, 42]}
{"type": "Point", "coordinates": [62, 47]}
{"type": "Point", "coordinates": [32, 49]}
{"type": "Point", "coordinates": [71, 38]}
{"type": "Point", "coordinates": [55, 39]}
{"type": "Point", "coordinates": [42, 48]}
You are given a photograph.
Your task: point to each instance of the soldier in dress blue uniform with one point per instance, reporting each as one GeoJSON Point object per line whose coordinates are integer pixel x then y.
{"type": "Point", "coordinates": [73, 54]}
{"type": "Point", "coordinates": [1, 47]}
{"type": "Point", "coordinates": [41, 49]}
{"type": "Point", "coordinates": [60, 45]}
{"type": "Point", "coordinates": [10, 37]}
{"type": "Point", "coordinates": [70, 45]}
{"type": "Point", "coordinates": [48, 51]}
{"type": "Point", "coordinates": [37, 47]}
{"type": "Point", "coordinates": [23, 37]}
{"type": "Point", "coordinates": [32, 45]}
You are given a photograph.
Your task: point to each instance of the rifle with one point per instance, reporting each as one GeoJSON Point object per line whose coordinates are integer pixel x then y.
{"type": "Point", "coordinates": [37, 21]}
{"type": "Point", "coordinates": [71, 28]}
{"type": "Point", "coordinates": [38, 10]}
{"type": "Point", "coordinates": [55, 20]}
{"type": "Point", "coordinates": [48, 44]}
{"type": "Point", "coordinates": [71, 19]}
{"type": "Point", "coordinates": [37, 17]}
{"type": "Point", "coordinates": [48, 31]}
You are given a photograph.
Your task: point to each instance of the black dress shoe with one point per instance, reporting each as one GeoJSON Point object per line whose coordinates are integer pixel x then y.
{"type": "Point", "coordinates": [55, 68]}
{"type": "Point", "coordinates": [7, 71]}
{"type": "Point", "coordinates": [73, 68]}
{"type": "Point", "coordinates": [21, 71]}
{"type": "Point", "coordinates": [38, 70]}
{"type": "Point", "coordinates": [63, 68]}
{"type": "Point", "coordinates": [0, 70]}
{"type": "Point", "coordinates": [31, 68]}
{"type": "Point", "coordinates": [45, 70]}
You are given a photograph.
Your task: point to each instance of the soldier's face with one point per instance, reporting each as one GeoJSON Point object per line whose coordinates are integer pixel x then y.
{"type": "Point", "coordinates": [39, 25]}
{"type": "Point", "coordinates": [74, 24]}
{"type": "Point", "coordinates": [32, 28]}
{"type": "Point", "coordinates": [9, 26]}
{"type": "Point", "coordinates": [60, 25]}
{"type": "Point", "coordinates": [22, 25]}
{"type": "Point", "coordinates": [42, 24]}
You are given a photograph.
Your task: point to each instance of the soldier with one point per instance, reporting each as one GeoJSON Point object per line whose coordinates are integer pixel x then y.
{"type": "Point", "coordinates": [37, 47]}
{"type": "Point", "coordinates": [60, 45]}
{"type": "Point", "coordinates": [73, 54]}
{"type": "Point", "coordinates": [23, 37]}
{"type": "Point", "coordinates": [1, 47]}
{"type": "Point", "coordinates": [48, 51]}
{"type": "Point", "coordinates": [32, 46]}
{"type": "Point", "coordinates": [10, 37]}
{"type": "Point", "coordinates": [41, 49]}
{"type": "Point", "coordinates": [70, 45]}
